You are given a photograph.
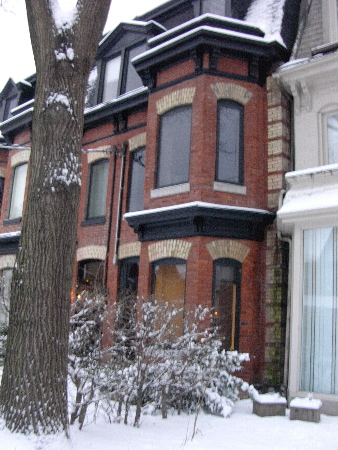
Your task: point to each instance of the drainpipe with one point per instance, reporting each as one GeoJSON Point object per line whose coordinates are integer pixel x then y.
{"type": "Point", "coordinates": [122, 154]}
{"type": "Point", "coordinates": [288, 305]}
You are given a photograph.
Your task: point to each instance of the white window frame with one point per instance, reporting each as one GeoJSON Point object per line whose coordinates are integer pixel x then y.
{"type": "Point", "coordinates": [324, 114]}
{"type": "Point", "coordinates": [330, 19]}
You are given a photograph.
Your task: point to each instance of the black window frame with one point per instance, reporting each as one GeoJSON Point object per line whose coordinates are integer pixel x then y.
{"type": "Point", "coordinates": [237, 266]}
{"type": "Point", "coordinates": [100, 218]}
{"type": "Point", "coordinates": [136, 158]}
{"type": "Point", "coordinates": [228, 103]}
{"type": "Point", "coordinates": [177, 148]}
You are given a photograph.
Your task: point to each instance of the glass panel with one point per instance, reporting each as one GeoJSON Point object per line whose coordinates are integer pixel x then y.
{"type": "Point", "coordinates": [133, 80]}
{"type": "Point", "coordinates": [225, 303]}
{"type": "Point", "coordinates": [230, 136]}
{"type": "Point", "coordinates": [169, 287]}
{"type": "Point", "coordinates": [98, 189]}
{"type": "Point", "coordinates": [332, 138]}
{"type": "Point", "coordinates": [174, 150]}
{"type": "Point", "coordinates": [136, 190]}
{"type": "Point", "coordinates": [18, 191]}
{"type": "Point", "coordinates": [319, 359]}
{"type": "Point", "coordinates": [90, 274]}
{"type": "Point", "coordinates": [111, 79]}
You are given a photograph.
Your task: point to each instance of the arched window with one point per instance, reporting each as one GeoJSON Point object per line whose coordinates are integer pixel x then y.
{"type": "Point", "coordinates": [230, 136]}
{"type": "Point", "coordinates": [226, 301]}
{"type": "Point", "coordinates": [90, 275]}
{"type": "Point", "coordinates": [174, 147]}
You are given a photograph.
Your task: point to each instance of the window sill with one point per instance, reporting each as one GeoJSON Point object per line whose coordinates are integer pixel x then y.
{"type": "Point", "coordinates": [12, 221]}
{"type": "Point", "coordinates": [93, 221]}
{"type": "Point", "coordinates": [170, 190]}
{"type": "Point", "coordinates": [229, 187]}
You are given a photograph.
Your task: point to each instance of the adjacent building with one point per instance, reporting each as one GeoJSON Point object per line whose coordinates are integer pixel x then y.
{"type": "Point", "coordinates": [186, 143]}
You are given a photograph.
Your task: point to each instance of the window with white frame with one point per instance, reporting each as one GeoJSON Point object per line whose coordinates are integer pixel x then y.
{"type": "Point", "coordinates": [18, 191]}
{"type": "Point", "coordinates": [319, 351]}
{"type": "Point", "coordinates": [98, 184]}
{"type": "Point", "coordinates": [332, 138]}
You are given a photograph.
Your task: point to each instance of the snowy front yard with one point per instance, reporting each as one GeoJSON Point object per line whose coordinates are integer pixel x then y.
{"type": "Point", "coordinates": [243, 430]}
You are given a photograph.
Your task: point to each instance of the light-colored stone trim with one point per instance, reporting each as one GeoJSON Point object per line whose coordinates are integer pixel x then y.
{"type": "Point", "coordinates": [278, 164]}
{"type": "Point", "coordinates": [177, 98]}
{"type": "Point", "coordinates": [20, 158]}
{"type": "Point", "coordinates": [129, 250]}
{"type": "Point", "coordinates": [170, 190]}
{"type": "Point", "coordinates": [228, 187]}
{"type": "Point", "coordinates": [91, 252]}
{"type": "Point", "coordinates": [226, 248]}
{"type": "Point", "coordinates": [171, 248]}
{"type": "Point", "coordinates": [2, 172]}
{"type": "Point", "coordinates": [100, 153]}
{"type": "Point", "coordinates": [137, 141]}
{"type": "Point", "coordinates": [231, 91]}
{"type": "Point", "coordinates": [7, 261]}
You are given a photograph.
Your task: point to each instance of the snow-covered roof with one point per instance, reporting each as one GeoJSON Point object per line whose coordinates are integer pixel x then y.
{"type": "Point", "coordinates": [267, 15]}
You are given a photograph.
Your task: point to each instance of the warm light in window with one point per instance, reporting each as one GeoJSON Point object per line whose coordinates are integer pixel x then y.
{"type": "Point", "coordinates": [215, 313]}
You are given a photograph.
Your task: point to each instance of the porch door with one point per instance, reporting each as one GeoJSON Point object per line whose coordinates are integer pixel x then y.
{"type": "Point", "coordinates": [319, 358]}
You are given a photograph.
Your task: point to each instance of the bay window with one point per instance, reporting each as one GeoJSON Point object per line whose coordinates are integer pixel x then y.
{"type": "Point", "coordinates": [174, 147]}
{"type": "Point", "coordinates": [226, 301]}
{"type": "Point", "coordinates": [230, 130]}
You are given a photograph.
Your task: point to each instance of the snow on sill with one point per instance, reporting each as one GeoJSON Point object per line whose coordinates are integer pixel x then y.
{"type": "Point", "coordinates": [293, 63]}
{"type": "Point", "coordinates": [312, 171]}
{"type": "Point", "coordinates": [192, 205]}
{"type": "Point", "coordinates": [214, 30]}
{"type": "Point", "coordinates": [12, 119]}
{"type": "Point", "coordinates": [9, 235]}
{"type": "Point", "coordinates": [118, 99]}
{"type": "Point", "coordinates": [199, 19]}
{"type": "Point", "coordinates": [307, 403]}
{"type": "Point", "coordinates": [22, 106]}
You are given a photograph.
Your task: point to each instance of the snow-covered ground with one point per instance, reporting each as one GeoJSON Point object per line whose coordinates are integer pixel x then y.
{"type": "Point", "coordinates": [243, 430]}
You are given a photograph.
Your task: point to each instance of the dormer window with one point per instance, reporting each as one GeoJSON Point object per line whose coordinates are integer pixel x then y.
{"type": "Point", "coordinates": [119, 74]}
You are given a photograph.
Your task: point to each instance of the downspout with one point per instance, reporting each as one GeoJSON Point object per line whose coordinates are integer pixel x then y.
{"type": "Point", "coordinates": [288, 302]}
{"type": "Point", "coordinates": [110, 220]}
{"type": "Point", "coordinates": [122, 154]}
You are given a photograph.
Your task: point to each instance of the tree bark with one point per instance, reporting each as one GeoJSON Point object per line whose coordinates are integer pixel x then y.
{"type": "Point", "coordinates": [33, 396]}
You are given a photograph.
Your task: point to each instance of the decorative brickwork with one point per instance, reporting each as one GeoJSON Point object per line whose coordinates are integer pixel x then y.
{"type": "Point", "coordinates": [91, 252]}
{"type": "Point", "coordinates": [137, 141]}
{"type": "Point", "coordinates": [20, 158]}
{"type": "Point", "coordinates": [171, 248]}
{"type": "Point", "coordinates": [100, 152]}
{"type": "Point", "coordinates": [228, 249]}
{"type": "Point", "coordinates": [177, 98]}
{"type": "Point", "coordinates": [232, 91]}
{"type": "Point", "coordinates": [129, 250]}
{"type": "Point", "coordinates": [7, 261]}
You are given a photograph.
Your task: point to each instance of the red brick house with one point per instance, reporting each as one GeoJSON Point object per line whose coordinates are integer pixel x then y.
{"type": "Point", "coordinates": [186, 142]}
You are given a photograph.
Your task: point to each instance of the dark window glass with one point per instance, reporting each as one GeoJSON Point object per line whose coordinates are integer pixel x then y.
{"type": "Point", "coordinates": [133, 80]}
{"type": "Point", "coordinates": [169, 277]}
{"type": "Point", "coordinates": [98, 189]}
{"type": "Point", "coordinates": [9, 105]}
{"type": "Point", "coordinates": [229, 167]}
{"type": "Point", "coordinates": [136, 187]}
{"type": "Point", "coordinates": [90, 274]}
{"type": "Point", "coordinates": [2, 185]}
{"type": "Point", "coordinates": [18, 191]}
{"type": "Point", "coordinates": [226, 301]}
{"type": "Point", "coordinates": [174, 147]}
{"type": "Point", "coordinates": [128, 276]}
{"type": "Point", "coordinates": [111, 79]}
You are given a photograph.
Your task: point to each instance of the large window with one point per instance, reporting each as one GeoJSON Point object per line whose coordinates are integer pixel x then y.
{"type": "Point", "coordinates": [230, 130]}
{"type": "Point", "coordinates": [168, 286]}
{"type": "Point", "coordinates": [97, 195]}
{"type": "Point", "coordinates": [18, 191]}
{"type": "Point", "coordinates": [319, 357]}
{"type": "Point", "coordinates": [128, 276]}
{"type": "Point", "coordinates": [90, 275]}
{"type": "Point", "coordinates": [120, 75]}
{"type": "Point", "coordinates": [136, 183]}
{"type": "Point", "coordinates": [226, 301]}
{"type": "Point", "coordinates": [174, 147]}
{"type": "Point", "coordinates": [332, 138]}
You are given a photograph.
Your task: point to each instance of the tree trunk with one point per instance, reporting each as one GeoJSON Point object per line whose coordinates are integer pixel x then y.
{"type": "Point", "coordinates": [33, 395]}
